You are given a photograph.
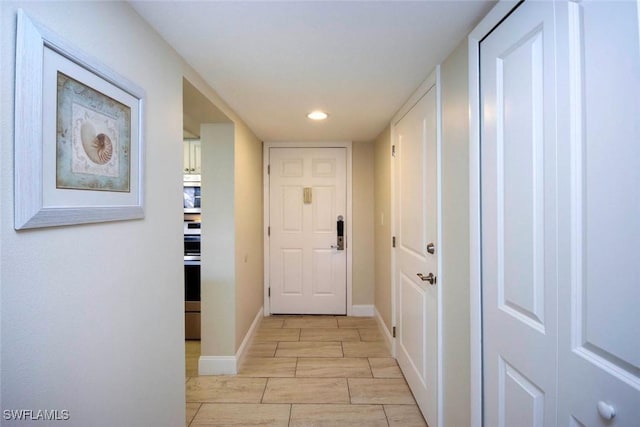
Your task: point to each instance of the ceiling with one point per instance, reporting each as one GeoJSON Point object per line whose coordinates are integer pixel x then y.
{"type": "Point", "coordinates": [273, 62]}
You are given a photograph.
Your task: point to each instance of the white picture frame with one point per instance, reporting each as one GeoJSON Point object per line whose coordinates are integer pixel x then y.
{"type": "Point", "coordinates": [79, 146]}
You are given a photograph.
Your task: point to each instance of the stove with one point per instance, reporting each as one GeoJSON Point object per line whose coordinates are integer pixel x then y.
{"type": "Point", "coordinates": [192, 236]}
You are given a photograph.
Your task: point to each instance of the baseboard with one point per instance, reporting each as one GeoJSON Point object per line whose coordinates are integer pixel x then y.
{"type": "Point", "coordinates": [388, 336]}
{"type": "Point", "coordinates": [217, 365]}
{"type": "Point", "coordinates": [228, 365]}
{"type": "Point", "coordinates": [242, 350]}
{"type": "Point", "coordinates": [362, 310]}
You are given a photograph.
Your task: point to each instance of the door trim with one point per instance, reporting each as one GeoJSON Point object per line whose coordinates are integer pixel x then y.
{"type": "Point", "coordinates": [433, 80]}
{"type": "Point", "coordinates": [486, 25]}
{"type": "Point", "coordinates": [266, 197]}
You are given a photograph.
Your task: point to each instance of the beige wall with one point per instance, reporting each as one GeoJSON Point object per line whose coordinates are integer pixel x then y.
{"type": "Point", "coordinates": [455, 237]}
{"type": "Point", "coordinates": [249, 263]}
{"type": "Point", "coordinates": [382, 225]}
{"type": "Point", "coordinates": [92, 315]}
{"type": "Point", "coordinates": [232, 254]}
{"type": "Point", "coordinates": [218, 272]}
{"type": "Point", "coordinates": [363, 239]}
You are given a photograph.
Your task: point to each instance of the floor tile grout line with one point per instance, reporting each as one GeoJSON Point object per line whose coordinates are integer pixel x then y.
{"type": "Point", "coordinates": [264, 391]}
{"type": "Point", "coordinates": [370, 367]}
{"type": "Point", "coordinates": [385, 415]}
{"type": "Point", "coordinates": [196, 414]}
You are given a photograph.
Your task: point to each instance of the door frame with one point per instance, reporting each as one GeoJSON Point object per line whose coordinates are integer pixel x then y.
{"type": "Point", "coordinates": [499, 12]}
{"type": "Point", "coordinates": [432, 80]}
{"type": "Point", "coordinates": [267, 196]}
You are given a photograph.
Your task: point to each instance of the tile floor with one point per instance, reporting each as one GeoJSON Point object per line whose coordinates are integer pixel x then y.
{"type": "Point", "coordinates": [305, 371]}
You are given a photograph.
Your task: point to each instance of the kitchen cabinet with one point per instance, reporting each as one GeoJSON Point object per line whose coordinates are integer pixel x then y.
{"type": "Point", "coordinates": [192, 157]}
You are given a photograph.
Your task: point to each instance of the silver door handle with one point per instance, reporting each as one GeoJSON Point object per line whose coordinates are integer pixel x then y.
{"type": "Point", "coordinates": [428, 278]}
{"type": "Point", "coordinates": [431, 248]}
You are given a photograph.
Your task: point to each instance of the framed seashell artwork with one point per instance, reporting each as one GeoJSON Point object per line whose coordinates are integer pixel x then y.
{"type": "Point", "coordinates": [79, 147]}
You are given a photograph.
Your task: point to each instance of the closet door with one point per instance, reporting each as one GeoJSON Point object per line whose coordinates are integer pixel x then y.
{"type": "Point", "coordinates": [519, 230]}
{"type": "Point", "coordinates": [599, 323]}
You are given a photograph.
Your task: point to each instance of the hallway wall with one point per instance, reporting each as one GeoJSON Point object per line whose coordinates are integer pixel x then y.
{"type": "Point", "coordinates": [363, 246]}
{"type": "Point", "coordinates": [92, 315]}
{"type": "Point", "coordinates": [382, 225]}
{"type": "Point", "coordinates": [249, 229]}
{"type": "Point", "coordinates": [218, 246]}
{"type": "Point", "coordinates": [455, 238]}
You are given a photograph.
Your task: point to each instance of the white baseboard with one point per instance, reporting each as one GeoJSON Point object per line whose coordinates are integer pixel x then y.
{"type": "Point", "coordinates": [217, 365]}
{"type": "Point", "coordinates": [242, 350]}
{"type": "Point", "coordinates": [362, 310]}
{"type": "Point", "coordinates": [228, 365]}
{"type": "Point", "coordinates": [388, 336]}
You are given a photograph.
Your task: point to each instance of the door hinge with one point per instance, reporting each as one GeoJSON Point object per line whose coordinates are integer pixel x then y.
{"type": "Point", "coordinates": [269, 231]}
{"type": "Point", "coordinates": [393, 242]}
{"type": "Point", "coordinates": [394, 331]}
{"type": "Point", "coordinates": [393, 150]}
{"type": "Point", "coordinates": [268, 169]}
{"type": "Point", "coordinates": [269, 292]}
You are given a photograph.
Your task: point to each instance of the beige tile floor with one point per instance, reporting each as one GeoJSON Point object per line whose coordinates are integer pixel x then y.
{"type": "Point", "coordinates": [305, 371]}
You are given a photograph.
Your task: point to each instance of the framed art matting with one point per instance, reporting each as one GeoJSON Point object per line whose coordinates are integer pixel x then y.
{"type": "Point", "coordinates": [78, 135]}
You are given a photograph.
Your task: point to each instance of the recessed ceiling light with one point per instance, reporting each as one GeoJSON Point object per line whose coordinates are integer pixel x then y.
{"type": "Point", "coordinates": [317, 115]}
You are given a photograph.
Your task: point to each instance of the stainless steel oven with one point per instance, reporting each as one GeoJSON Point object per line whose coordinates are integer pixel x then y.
{"type": "Point", "coordinates": [192, 280]}
{"type": "Point", "coordinates": [192, 197]}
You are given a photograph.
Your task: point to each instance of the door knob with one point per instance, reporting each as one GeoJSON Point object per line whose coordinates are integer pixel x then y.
{"type": "Point", "coordinates": [428, 278]}
{"type": "Point", "coordinates": [606, 411]}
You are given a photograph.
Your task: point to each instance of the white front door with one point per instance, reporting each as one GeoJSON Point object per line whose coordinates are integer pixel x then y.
{"type": "Point", "coordinates": [416, 225]}
{"type": "Point", "coordinates": [307, 191]}
{"type": "Point", "coordinates": [519, 226]}
{"type": "Point", "coordinates": [599, 352]}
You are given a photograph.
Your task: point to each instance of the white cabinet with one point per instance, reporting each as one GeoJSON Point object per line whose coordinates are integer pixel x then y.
{"type": "Point", "coordinates": [191, 153]}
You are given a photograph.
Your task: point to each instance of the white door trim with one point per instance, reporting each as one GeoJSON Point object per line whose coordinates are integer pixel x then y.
{"type": "Point", "coordinates": [349, 223]}
{"type": "Point", "coordinates": [432, 80]}
{"type": "Point", "coordinates": [493, 18]}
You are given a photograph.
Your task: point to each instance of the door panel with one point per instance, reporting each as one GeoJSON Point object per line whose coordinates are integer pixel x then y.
{"type": "Point", "coordinates": [523, 400]}
{"type": "Point", "coordinates": [601, 216]}
{"type": "Point", "coordinates": [518, 219]}
{"type": "Point", "coordinates": [520, 183]}
{"type": "Point", "coordinates": [416, 225]}
{"type": "Point", "coordinates": [307, 188]}
{"type": "Point", "coordinates": [412, 301]}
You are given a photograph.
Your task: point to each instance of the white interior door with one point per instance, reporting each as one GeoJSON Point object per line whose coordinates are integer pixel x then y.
{"type": "Point", "coordinates": [599, 352]}
{"type": "Point", "coordinates": [416, 226]}
{"type": "Point", "coordinates": [307, 190]}
{"type": "Point", "coordinates": [518, 205]}
{"type": "Point", "coordinates": [560, 152]}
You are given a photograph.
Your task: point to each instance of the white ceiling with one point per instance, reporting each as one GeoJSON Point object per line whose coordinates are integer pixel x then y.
{"type": "Point", "coordinates": [273, 62]}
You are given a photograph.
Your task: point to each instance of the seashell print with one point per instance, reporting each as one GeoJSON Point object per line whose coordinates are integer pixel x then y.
{"type": "Point", "coordinates": [104, 148]}
{"type": "Point", "coordinates": [98, 147]}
